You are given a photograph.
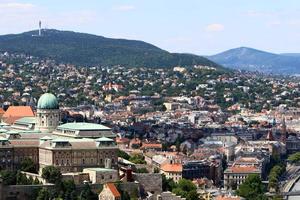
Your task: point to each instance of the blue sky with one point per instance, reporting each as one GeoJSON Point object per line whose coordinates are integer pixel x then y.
{"type": "Point", "coordinates": [195, 26]}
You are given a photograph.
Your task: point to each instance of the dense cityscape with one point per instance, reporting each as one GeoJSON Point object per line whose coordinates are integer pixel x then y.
{"type": "Point", "coordinates": [145, 133]}
{"type": "Point", "coordinates": [149, 100]}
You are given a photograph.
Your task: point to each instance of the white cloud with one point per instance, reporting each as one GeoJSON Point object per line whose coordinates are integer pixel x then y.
{"type": "Point", "coordinates": [20, 17]}
{"type": "Point", "coordinates": [124, 8]}
{"type": "Point", "coordinates": [214, 27]}
{"type": "Point", "coordinates": [12, 6]}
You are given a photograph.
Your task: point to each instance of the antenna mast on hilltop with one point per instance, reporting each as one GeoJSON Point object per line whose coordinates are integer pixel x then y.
{"type": "Point", "coordinates": [40, 28]}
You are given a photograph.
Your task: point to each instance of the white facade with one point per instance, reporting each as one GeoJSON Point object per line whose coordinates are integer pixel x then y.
{"type": "Point", "coordinates": [47, 119]}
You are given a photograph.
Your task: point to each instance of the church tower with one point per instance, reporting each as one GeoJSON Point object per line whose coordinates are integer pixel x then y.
{"type": "Point", "coordinates": [48, 115]}
{"type": "Point", "coordinates": [283, 131]}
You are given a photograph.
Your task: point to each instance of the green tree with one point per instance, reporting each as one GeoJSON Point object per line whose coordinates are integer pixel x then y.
{"type": "Point", "coordinates": [185, 188]}
{"type": "Point", "coordinates": [43, 194]}
{"type": "Point", "coordinates": [294, 158]}
{"type": "Point", "coordinates": [69, 190]}
{"type": "Point", "coordinates": [125, 196]}
{"type": "Point", "coordinates": [274, 175]}
{"type": "Point", "coordinates": [21, 179]}
{"type": "Point", "coordinates": [252, 188]}
{"type": "Point", "coordinates": [51, 174]}
{"type": "Point", "coordinates": [8, 177]}
{"type": "Point", "coordinates": [87, 194]}
{"type": "Point", "coordinates": [28, 165]}
{"type": "Point", "coordinates": [36, 182]}
{"type": "Point", "coordinates": [142, 170]}
{"type": "Point", "coordinates": [167, 184]}
{"type": "Point", "coordinates": [137, 159]}
{"type": "Point", "coordinates": [123, 154]}
{"type": "Point", "coordinates": [156, 170]}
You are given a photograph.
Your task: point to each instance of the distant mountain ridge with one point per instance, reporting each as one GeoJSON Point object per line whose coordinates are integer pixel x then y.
{"type": "Point", "coordinates": [256, 60]}
{"type": "Point", "coordinates": [90, 50]}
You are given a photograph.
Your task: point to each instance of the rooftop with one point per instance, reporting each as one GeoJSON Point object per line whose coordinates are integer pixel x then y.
{"type": "Point", "coordinates": [227, 197]}
{"type": "Point", "coordinates": [14, 113]}
{"type": "Point", "coordinates": [172, 167]}
{"type": "Point", "coordinates": [26, 120]}
{"type": "Point", "coordinates": [100, 169]}
{"type": "Point", "coordinates": [104, 139]}
{"type": "Point", "coordinates": [242, 169]}
{"type": "Point", "coordinates": [113, 190]}
{"type": "Point", "coordinates": [83, 126]}
{"type": "Point", "coordinates": [47, 101]}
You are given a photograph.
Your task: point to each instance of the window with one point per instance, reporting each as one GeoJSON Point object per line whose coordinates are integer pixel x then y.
{"type": "Point", "coordinates": [82, 161]}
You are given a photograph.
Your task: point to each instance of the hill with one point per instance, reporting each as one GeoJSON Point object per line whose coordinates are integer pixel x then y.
{"type": "Point", "coordinates": [87, 49]}
{"type": "Point", "coordinates": [256, 60]}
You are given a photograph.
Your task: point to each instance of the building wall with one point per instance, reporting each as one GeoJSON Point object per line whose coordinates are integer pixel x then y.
{"type": "Point", "coordinates": [6, 158]}
{"type": "Point", "coordinates": [176, 176]}
{"type": "Point", "coordinates": [150, 182]}
{"type": "Point", "coordinates": [234, 180]}
{"type": "Point", "coordinates": [196, 170]}
{"type": "Point", "coordinates": [20, 153]}
{"type": "Point", "coordinates": [200, 169]}
{"type": "Point", "coordinates": [107, 194]}
{"type": "Point", "coordinates": [73, 160]}
{"type": "Point", "coordinates": [47, 120]}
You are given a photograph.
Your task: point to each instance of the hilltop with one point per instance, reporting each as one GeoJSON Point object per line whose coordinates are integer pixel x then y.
{"type": "Point", "coordinates": [86, 49]}
{"type": "Point", "coordinates": [256, 60]}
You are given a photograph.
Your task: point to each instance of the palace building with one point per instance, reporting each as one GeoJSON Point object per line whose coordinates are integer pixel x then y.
{"type": "Point", "coordinates": [71, 147]}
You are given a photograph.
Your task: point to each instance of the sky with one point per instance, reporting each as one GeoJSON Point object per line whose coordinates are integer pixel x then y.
{"type": "Point", "coordinates": [202, 27]}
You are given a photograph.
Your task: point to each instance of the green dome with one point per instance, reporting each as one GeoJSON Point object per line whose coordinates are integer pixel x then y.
{"type": "Point", "coordinates": [47, 101]}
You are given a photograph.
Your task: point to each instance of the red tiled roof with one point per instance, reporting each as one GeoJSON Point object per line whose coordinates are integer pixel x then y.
{"type": "Point", "coordinates": [122, 140]}
{"type": "Point", "coordinates": [16, 112]}
{"type": "Point", "coordinates": [247, 160]}
{"type": "Point", "coordinates": [172, 167]}
{"type": "Point", "coordinates": [220, 197]}
{"type": "Point", "coordinates": [113, 189]}
{"type": "Point", "coordinates": [151, 145]}
{"type": "Point", "coordinates": [243, 169]}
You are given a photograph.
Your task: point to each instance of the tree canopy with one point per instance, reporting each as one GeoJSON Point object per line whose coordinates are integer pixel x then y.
{"type": "Point", "coordinates": [51, 174]}
{"type": "Point", "coordinates": [294, 158]}
{"type": "Point", "coordinates": [252, 188]}
{"type": "Point", "coordinates": [186, 189]}
{"type": "Point", "coordinates": [28, 165]}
